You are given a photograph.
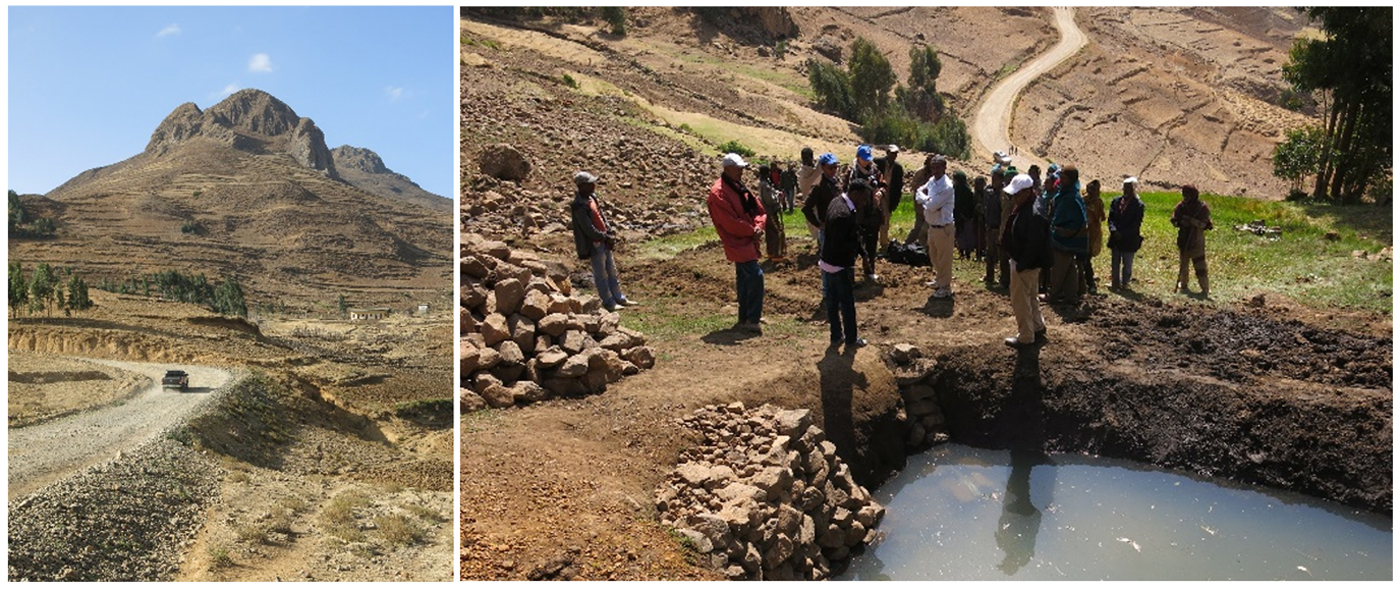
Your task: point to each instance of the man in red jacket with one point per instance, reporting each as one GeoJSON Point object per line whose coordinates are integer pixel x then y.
{"type": "Point", "coordinates": [738, 217]}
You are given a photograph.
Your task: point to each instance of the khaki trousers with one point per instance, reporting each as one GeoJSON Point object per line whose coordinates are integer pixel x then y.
{"type": "Point", "coordinates": [940, 254]}
{"type": "Point", "coordinates": [1025, 304]}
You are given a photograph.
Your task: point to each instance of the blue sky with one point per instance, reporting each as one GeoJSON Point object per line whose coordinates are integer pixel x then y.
{"type": "Point", "coordinates": [88, 85]}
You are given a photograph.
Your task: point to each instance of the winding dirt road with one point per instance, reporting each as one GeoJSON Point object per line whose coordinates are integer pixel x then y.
{"type": "Point", "coordinates": [991, 126]}
{"type": "Point", "coordinates": [50, 451]}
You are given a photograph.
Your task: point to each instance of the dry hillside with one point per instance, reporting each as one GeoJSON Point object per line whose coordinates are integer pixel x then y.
{"type": "Point", "coordinates": [249, 188]}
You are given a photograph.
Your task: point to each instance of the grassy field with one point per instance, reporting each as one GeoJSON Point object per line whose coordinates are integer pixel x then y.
{"type": "Point", "coordinates": [1302, 263]}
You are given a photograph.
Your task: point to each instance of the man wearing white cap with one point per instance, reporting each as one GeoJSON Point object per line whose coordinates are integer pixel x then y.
{"type": "Point", "coordinates": [738, 218]}
{"type": "Point", "coordinates": [1026, 239]}
{"type": "Point", "coordinates": [594, 240]}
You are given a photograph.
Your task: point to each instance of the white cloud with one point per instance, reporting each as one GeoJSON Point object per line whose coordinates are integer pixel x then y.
{"type": "Point", "coordinates": [173, 29]}
{"type": "Point", "coordinates": [260, 63]}
{"type": "Point", "coordinates": [395, 93]}
{"type": "Point", "coordinates": [230, 89]}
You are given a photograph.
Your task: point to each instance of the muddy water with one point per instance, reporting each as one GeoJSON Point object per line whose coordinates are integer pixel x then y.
{"type": "Point", "coordinates": [962, 513]}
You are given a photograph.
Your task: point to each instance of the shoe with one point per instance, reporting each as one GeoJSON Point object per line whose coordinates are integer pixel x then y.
{"type": "Point", "coordinates": [629, 303]}
{"type": "Point", "coordinates": [931, 283]}
{"type": "Point", "coordinates": [762, 321]}
{"type": "Point", "coordinates": [1040, 337]}
{"type": "Point", "coordinates": [1016, 343]}
{"type": "Point", "coordinates": [753, 328]}
{"type": "Point", "coordinates": [611, 308]}
{"type": "Point", "coordinates": [858, 343]}
{"type": "Point", "coordinates": [943, 293]}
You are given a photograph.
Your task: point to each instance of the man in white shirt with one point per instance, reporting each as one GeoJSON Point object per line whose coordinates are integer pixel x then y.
{"type": "Point", "coordinates": [936, 197]}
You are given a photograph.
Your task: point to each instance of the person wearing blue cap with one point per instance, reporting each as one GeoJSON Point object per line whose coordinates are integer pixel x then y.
{"type": "Point", "coordinates": [814, 208]}
{"type": "Point", "coordinates": [594, 240]}
{"type": "Point", "coordinates": [870, 218]}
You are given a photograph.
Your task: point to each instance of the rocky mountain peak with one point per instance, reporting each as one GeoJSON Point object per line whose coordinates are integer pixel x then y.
{"type": "Point", "coordinates": [358, 158]}
{"type": "Point", "coordinates": [250, 120]}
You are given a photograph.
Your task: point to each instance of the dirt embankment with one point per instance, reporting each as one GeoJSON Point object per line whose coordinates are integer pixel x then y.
{"type": "Point", "coordinates": [44, 387]}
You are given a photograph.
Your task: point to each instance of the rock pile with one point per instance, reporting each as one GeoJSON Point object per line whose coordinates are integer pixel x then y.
{"type": "Point", "coordinates": [524, 339]}
{"type": "Point", "coordinates": [764, 495]}
{"type": "Point", "coordinates": [915, 377]}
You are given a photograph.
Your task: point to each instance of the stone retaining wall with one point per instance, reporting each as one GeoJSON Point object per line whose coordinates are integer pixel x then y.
{"type": "Point", "coordinates": [526, 339]}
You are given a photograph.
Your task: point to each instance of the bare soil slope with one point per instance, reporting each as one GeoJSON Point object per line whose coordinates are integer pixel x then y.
{"type": "Point", "coordinates": [1171, 95]}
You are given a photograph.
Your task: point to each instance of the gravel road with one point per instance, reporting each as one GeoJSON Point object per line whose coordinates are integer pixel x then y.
{"type": "Point", "coordinates": [991, 126]}
{"type": "Point", "coordinates": [48, 452]}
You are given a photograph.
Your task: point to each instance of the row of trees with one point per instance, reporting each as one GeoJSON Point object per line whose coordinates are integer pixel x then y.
{"type": "Point", "coordinates": [225, 298]}
{"type": "Point", "coordinates": [44, 291]}
{"type": "Point", "coordinates": [1350, 68]}
{"type": "Point", "coordinates": [868, 92]}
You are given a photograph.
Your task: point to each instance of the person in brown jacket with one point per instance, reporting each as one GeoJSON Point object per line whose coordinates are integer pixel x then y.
{"type": "Point", "coordinates": [1192, 219]}
{"type": "Point", "coordinates": [1093, 207]}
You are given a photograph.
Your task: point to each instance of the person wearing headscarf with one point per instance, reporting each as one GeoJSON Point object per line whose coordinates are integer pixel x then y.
{"type": "Point", "coordinates": [807, 178]}
{"type": "Point", "coordinates": [1125, 232]}
{"type": "Point", "coordinates": [964, 216]}
{"type": "Point", "coordinates": [1192, 219]}
{"type": "Point", "coordinates": [919, 233]}
{"type": "Point", "coordinates": [1093, 209]}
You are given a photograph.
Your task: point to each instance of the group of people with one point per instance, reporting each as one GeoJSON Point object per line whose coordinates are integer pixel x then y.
{"type": "Point", "coordinates": [1036, 236]}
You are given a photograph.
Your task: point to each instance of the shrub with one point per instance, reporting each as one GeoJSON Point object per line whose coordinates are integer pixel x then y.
{"type": "Point", "coordinates": [399, 530]}
{"type": "Point", "coordinates": [569, 81]}
{"type": "Point", "coordinates": [733, 146]}
{"type": "Point", "coordinates": [617, 18]}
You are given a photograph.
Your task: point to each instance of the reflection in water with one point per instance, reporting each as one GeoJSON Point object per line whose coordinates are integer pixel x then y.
{"type": "Point", "coordinates": [960, 513]}
{"type": "Point", "coordinates": [1020, 520]}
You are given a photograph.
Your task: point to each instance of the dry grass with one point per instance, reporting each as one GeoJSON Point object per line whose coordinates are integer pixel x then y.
{"type": "Point", "coordinates": [399, 530]}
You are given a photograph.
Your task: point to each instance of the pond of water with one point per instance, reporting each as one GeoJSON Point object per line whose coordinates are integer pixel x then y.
{"type": "Point", "coordinates": [962, 513]}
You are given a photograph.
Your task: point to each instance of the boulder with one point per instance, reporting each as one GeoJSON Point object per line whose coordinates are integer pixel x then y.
{"type": "Point", "coordinates": [643, 356]}
{"type": "Point", "coordinates": [503, 161]}
{"type": "Point", "coordinates": [552, 357]}
{"type": "Point", "coordinates": [564, 387]}
{"type": "Point", "coordinates": [511, 355]}
{"type": "Point", "coordinates": [470, 401]}
{"type": "Point", "coordinates": [526, 392]}
{"type": "Point", "coordinates": [495, 329]}
{"type": "Point", "coordinates": [522, 332]}
{"type": "Point", "coordinates": [510, 293]}
{"type": "Point", "coordinates": [498, 396]}
{"type": "Point", "coordinates": [553, 324]}
{"type": "Point", "coordinates": [576, 366]}
{"type": "Point", "coordinates": [536, 304]}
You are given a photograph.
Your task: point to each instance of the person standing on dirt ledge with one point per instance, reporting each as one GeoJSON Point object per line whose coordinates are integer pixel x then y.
{"type": "Point", "coordinates": [739, 218]}
{"type": "Point", "coordinates": [893, 174]}
{"type": "Point", "coordinates": [594, 240]}
{"type": "Point", "coordinates": [937, 199]}
{"type": "Point", "coordinates": [1125, 232]}
{"type": "Point", "coordinates": [1192, 219]}
{"type": "Point", "coordinates": [774, 238]}
{"type": "Point", "coordinates": [807, 178]}
{"type": "Point", "coordinates": [1025, 238]}
{"type": "Point", "coordinates": [838, 260]}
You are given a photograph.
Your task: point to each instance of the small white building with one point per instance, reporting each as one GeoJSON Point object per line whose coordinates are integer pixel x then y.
{"type": "Point", "coordinates": [371, 314]}
{"type": "Point", "coordinates": [423, 309]}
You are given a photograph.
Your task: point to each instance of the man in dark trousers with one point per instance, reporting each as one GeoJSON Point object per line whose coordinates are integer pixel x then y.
{"type": "Point", "coordinates": [1026, 239]}
{"type": "Point", "coordinates": [739, 218]}
{"type": "Point", "coordinates": [838, 259]}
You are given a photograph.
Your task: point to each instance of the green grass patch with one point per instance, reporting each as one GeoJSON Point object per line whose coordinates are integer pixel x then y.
{"type": "Point", "coordinates": [670, 318]}
{"type": "Point", "coordinates": [1301, 263]}
{"type": "Point", "coordinates": [665, 248]}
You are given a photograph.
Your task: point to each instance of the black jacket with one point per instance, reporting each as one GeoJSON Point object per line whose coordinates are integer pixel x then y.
{"type": "Point", "coordinates": [584, 231]}
{"type": "Point", "coordinates": [1027, 239]}
{"type": "Point", "coordinates": [841, 239]}
{"type": "Point", "coordinates": [817, 203]}
{"type": "Point", "coordinates": [894, 180]}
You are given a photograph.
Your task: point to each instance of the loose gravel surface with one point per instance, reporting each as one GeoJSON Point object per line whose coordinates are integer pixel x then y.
{"type": "Point", "coordinates": [44, 453]}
